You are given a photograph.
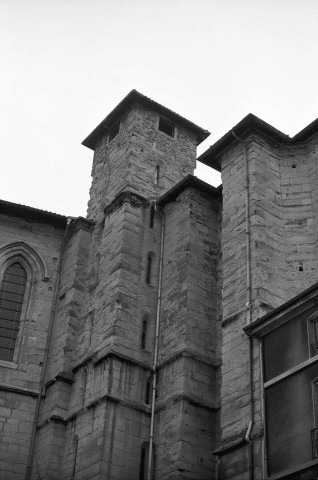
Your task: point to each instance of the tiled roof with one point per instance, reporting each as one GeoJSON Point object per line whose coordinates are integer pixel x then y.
{"type": "Point", "coordinates": [132, 97]}
{"type": "Point", "coordinates": [248, 124]}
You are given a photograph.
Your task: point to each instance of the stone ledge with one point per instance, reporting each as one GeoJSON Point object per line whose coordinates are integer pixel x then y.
{"type": "Point", "coordinates": [190, 354]}
{"type": "Point", "coordinates": [22, 390]}
{"type": "Point", "coordinates": [80, 223]}
{"type": "Point", "coordinates": [65, 377]}
{"type": "Point", "coordinates": [123, 197]}
{"type": "Point", "coordinates": [197, 402]}
{"type": "Point", "coordinates": [130, 404]}
{"type": "Point", "coordinates": [89, 358]}
{"type": "Point", "coordinates": [237, 441]}
{"type": "Point", "coordinates": [124, 358]}
{"type": "Point", "coordinates": [231, 445]}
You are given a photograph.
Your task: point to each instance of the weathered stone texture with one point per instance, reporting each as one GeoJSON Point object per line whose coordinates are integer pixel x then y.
{"type": "Point", "coordinates": [129, 161]}
{"type": "Point", "coordinates": [20, 379]}
{"type": "Point", "coordinates": [283, 262]}
{"type": "Point", "coordinates": [99, 371]}
{"type": "Point", "coordinates": [188, 330]}
{"type": "Point", "coordinates": [95, 408]}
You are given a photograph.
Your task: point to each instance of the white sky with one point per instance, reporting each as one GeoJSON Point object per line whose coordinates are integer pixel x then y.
{"type": "Point", "coordinates": [66, 63]}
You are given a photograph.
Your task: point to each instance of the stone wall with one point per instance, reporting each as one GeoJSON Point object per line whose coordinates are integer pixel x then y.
{"type": "Point", "coordinates": [283, 263]}
{"type": "Point", "coordinates": [186, 403]}
{"type": "Point", "coordinates": [129, 161]}
{"type": "Point", "coordinates": [36, 245]}
{"type": "Point", "coordinates": [98, 382]}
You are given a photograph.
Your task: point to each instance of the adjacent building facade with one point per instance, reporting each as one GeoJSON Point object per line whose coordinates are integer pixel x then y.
{"type": "Point", "coordinates": [172, 333]}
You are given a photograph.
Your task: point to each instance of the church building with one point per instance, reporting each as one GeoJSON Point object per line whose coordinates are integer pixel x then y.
{"type": "Point", "coordinates": [172, 334]}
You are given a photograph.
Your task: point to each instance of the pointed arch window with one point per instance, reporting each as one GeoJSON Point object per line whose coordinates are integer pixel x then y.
{"type": "Point", "coordinates": [11, 301]}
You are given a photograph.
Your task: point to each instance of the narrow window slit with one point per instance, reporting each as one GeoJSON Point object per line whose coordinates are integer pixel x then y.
{"type": "Point", "coordinates": [75, 447]}
{"type": "Point", "coordinates": [157, 174]}
{"type": "Point", "coordinates": [142, 463]}
{"type": "Point", "coordinates": [152, 215]}
{"type": "Point", "coordinates": [148, 275]}
{"type": "Point", "coordinates": [147, 396]}
{"type": "Point", "coordinates": [144, 334]}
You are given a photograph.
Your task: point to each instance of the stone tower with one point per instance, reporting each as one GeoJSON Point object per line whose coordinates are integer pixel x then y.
{"type": "Point", "coordinates": [117, 280]}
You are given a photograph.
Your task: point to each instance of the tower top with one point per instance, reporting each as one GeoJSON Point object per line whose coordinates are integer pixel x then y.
{"type": "Point", "coordinates": [136, 97]}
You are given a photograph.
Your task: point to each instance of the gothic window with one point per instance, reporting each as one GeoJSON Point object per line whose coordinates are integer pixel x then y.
{"type": "Point", "coordinates": [11, 301]}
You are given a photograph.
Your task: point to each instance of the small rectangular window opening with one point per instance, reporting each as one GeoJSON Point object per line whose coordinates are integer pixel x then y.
{"type": "Point", "coordinates": [75, 448]}
{"type": "Point", "coordinates": [147, 399]}
{"type": "Point", "coordinates": [114, 131]}
{"type": "Point", "coordinates": [144, 334]}
{"type": "Point", "coordinates": [166, 127]}
{"type": "Point", "coordinates": [148, 275]}
{"type": "Point", "coordinates": [152, 215]}
{"type": "Point", "coordinates": [142, 464]}
{"type": "Point", "coordinates": [157, 173]}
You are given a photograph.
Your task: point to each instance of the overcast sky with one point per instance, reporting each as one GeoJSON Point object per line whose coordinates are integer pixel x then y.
{"type": "Point", "coordinates": [66, 63]}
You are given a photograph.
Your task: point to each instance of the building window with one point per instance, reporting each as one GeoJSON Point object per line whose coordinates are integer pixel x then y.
{"type": "Point", "coordinates": [84, 385]}
{"type": "Point", "coordinates": [148, 272]}
{"type": "Point", "coordinates": [157, 174]}
{"type": "Point", "coordinates": [313, 334]}
{"type": "Point", "coordinates": [11, 301]}
{"type": "Point", "coordinates": [114, 131]}
{"type": "Point", "coordinates": [142, 469]}
{"type": "Point", "coordinates": [74, 452]}
{"type": "Point", "coordinates": [314, 432]}
{"type": "Point", "coordinates": [166, 127]}
{"type": "Point", "coordinates": [152, 215]}
{"type": "Point", "coordinates": [144, 334]}
{"type": "Point", "coordinates": [148, 388]}
{"type": "Point", "coordinates": [144, 458]}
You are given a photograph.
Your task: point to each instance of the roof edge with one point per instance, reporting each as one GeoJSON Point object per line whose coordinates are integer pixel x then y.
{"type": "Point", "coordinates": [23, 210]}
{"type": "Point", "coordinates": [248, 123]}
{"type": "Point", "coordinates": [187, 182]}
{"type": "Point", "coordinates": [123, 105]}
{"type": "Point", "coordinates": [284, 307]}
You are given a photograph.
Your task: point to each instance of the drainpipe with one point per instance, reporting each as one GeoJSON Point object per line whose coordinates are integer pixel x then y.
{"type": "Point", "coordinates": [248, 307]}
{"type": "Point", "coordinates": [264, 452]}
{"type": "Point", "coordinates": [155, 357]}
{"type": "Point", "coordinates": [46, 354]}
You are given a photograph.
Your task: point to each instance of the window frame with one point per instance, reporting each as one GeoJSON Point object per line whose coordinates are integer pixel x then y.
{"type": "Point", "coordinates": [161, 118]}
{"type": "Point", "coordinates": [26, 305]}
{"type": "Point", "coordinates": [114, 132]}
{"type": "Point", "coordinates": [36, 271]}
{"type": "Point", "coordinates": [14, 323]}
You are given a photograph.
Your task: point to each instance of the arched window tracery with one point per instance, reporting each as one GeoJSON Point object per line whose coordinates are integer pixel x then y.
{"type": "Point", "coordinates": [11, 301]}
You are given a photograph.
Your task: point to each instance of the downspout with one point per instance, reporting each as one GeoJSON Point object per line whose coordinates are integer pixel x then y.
{"type": "Point", "coordinates": [46, 354]}
{"type": "Point", "coordinates": [264, 452]}
{"type": "Point", "coordinates": [248, 307]}
{"type": "Point", "coordinates": [155, 357]}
